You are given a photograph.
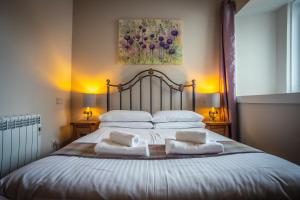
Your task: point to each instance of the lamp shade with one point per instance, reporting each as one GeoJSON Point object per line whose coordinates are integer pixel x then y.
{"type": "Point", "coordinates": [89, 100]}
{"type": "Point", "coordinates": [213, 100]}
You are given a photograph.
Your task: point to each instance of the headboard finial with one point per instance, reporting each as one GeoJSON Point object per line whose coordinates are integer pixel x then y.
{"type": "Point", "coordinates": [107, 81]}
{"type": "Point", "coordinates": [150, 71]}
{"type": "Point", "coordinates": [120, 87]}
{"type": "Point", "coordinates": [193, 82]}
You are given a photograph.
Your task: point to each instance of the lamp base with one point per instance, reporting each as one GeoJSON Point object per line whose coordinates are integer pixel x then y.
{"type": "Point", "coordinates": [213, 115]}
{"type": "Point", "coordinates": [88, 114]}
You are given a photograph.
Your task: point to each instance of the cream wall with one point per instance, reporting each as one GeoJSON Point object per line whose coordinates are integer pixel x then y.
{"type": "Point", "coordinates": [95, 37]}
{"type": "Point", "coordinates": [35, 63]}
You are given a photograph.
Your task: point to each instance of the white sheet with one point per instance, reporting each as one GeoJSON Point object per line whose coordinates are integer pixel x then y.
{"type": "Point", "coordinates": [238, 176]}
{"type": "Point", "coordinates": [152, 136]}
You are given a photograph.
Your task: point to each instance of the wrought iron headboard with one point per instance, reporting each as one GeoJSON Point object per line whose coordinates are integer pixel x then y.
{"type": "Point", "coordinates": [151, 73]}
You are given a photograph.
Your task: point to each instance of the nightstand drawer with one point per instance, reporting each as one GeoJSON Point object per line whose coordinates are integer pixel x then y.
{"type": "Point", "coordinates": [81, 130]}
{"type": "Point", "coordinates": [220, 127]}
{"type": "Point", "coordinates": [219, 130]}
{"type": "Point", "coordinates": [84, 127]}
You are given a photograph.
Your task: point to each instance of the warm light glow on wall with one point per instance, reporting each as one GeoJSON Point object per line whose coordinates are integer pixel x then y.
{"type": "Point", "coordinates": [207, 84]}
{"type": "Point", "coordinates": [204, 112]}
{"type": "Point", "coordinates": [58, 75]}
{"type": "Point", "coordinates": [56, 68]}
{"type": "Point", "coordinates": [206, 81]}
{"type": "Point", "coordinates": [86, 83]}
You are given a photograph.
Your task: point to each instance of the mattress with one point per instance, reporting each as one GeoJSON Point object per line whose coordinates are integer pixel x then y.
{"type": "Point", "coordinates": [237, 176]}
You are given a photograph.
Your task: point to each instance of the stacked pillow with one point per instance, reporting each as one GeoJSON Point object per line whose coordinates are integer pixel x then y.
{"type": "Point", "coordinates": [177, 119]}
{"type": "Point", "coordinates": [171, 119]}
{"type": "Point", "coordinates": [126, 119]}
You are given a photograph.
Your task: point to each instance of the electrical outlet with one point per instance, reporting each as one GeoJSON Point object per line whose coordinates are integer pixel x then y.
{"type": "Point", "coordinates": [55, 145]}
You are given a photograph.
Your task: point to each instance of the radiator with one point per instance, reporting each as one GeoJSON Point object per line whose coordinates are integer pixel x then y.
{"type": "Point", "coordinates": [19, 141]}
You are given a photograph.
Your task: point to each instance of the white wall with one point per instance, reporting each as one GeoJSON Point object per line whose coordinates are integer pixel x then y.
{"type": "Point", "coordinates": [95, 42]}
{"type": "Point", "coordinates": [256, 54]}
{"type": "Point", "coordinates": [282, 40]}
{"type": "Point", "coordinates": [271, 127]}
{"type": "Point", "coordinates": [262, 42]}
{"type": "Point", "coordinates": [35, 63]}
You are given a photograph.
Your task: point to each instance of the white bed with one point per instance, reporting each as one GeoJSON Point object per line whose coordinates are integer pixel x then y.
{"type": "Point", "coordinates": [234, 176]}
{"type": "Point", "coordinates": [237, 176]}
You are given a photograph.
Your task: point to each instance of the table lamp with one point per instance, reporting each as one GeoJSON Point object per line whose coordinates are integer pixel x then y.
{"type": "Point", "coordinates": [89, 100]}
{"type": "Point", "coordinates": [213, 101]}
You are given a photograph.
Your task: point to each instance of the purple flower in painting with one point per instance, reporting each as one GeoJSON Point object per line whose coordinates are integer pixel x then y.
{"type": "Point", "coordinates": [127, 37]}
{"type": "Point", "coordinates": [169, 41]}
{"type": "Point", "coordinates": [145, 38]}
{"type": "Point", "coordinates": [140, 26]}
{"type": "Point", "coordinates": [144, 46]}
{"type": "Point", "coordinates": [127, 46]}
{"type": "Point", "coordinates": [174, 33]}
{"type": "Point", "coordinates": [152, 35]}
{"type": "Point", "coordinates": [137, 36]}
{"type": "Point", "coordinates": [166, 46]}
{"type": "Point", "coordinates": [141, 43]}
{"type": "Point", "coordinates": [161, 38]}
{"type": "Point", "coordinates": [152, 46]}
{"type": "Point", "coordinates": [171, 51]}
{"type": "Point", "coordinates": [130, 41]}
{"type": "Point", "coordinates": [162, 44]}
{"type": "Point", "coordinates": [144, 30]}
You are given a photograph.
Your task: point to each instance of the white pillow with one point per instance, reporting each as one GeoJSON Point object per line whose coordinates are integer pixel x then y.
{"type": "Point", "coordinates": [176, 116]}
{"type": "Point", "coordinates": [125, 116]}
{"type": "Point", "coordinates": [179, 125]}
{"type": "Point", "coordinates": [138, 125]}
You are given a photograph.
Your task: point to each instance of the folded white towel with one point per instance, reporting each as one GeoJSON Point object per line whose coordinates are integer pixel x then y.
{"type": "Point", "coordinates": [124, 138]}
{"type": "Point", "coordinates": [108, 147]}
{"type": "Point", "coordinates": [179, 147]}
{"type": "Point", "coordinates": [198, 137]}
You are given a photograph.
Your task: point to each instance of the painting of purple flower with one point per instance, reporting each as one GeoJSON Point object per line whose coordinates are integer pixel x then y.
{"type": "Point", "coordinates": [150, 41]}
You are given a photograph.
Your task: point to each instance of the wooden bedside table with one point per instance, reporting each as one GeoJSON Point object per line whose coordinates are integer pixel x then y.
{"type": "Point", "coordinates": [84, 127]}
{"type": "Point", "coordinates": [221, 127]}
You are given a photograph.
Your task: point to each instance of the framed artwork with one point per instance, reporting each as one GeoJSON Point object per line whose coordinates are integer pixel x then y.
{"type": "Point", "coordinates": [150, 41]}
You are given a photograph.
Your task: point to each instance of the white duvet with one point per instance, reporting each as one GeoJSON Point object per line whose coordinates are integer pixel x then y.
{"type": "Point", "coordinates": [238, 176]}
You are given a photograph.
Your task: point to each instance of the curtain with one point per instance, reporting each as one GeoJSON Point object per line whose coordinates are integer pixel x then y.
{"type": "Point", "coordinates": [227, 66]}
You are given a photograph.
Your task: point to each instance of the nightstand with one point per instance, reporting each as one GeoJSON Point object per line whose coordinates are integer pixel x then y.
{"type": "Point", "coordinates": [84, 127]}
{"type": "Point", "coordinates": [220, 127]}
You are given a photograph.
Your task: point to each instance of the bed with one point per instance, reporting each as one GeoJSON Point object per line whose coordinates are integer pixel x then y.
{"type": "Point", "coordinates": [239, 175]}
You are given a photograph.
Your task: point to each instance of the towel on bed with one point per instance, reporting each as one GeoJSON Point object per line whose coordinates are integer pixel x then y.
{"type": "Point", "coordinates": [124, 138]}
{"type": "Point", "coordinates": [192, 136]}
{"type": "Point", "coordinates": [109, 147]}
{"type": "Point", "coordinates": [179, 147]}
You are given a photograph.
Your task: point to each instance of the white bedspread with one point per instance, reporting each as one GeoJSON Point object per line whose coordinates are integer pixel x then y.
{"type": "Point", "coordinates": [238, 176]}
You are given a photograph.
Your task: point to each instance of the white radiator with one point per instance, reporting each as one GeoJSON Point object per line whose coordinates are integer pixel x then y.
{"type": "Point", "coordinates": [20, 141]}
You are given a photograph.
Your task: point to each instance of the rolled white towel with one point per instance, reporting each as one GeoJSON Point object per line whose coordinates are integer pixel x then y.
{"type": "Point", "coordinates": [124, 138]}
{"type": "Point", "coordinates": [198, 137]}
{"type": "Point", "coordinates": [179, 147]}
{"type": "Point", "coordinates": [108, 147]}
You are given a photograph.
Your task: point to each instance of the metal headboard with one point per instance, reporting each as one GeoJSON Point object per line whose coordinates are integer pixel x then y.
{"type": "Point", "coordinates": [151, 73]}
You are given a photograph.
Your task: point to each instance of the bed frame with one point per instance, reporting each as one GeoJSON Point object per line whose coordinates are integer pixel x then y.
{"type": "Point", "coordinates": [151, 73]}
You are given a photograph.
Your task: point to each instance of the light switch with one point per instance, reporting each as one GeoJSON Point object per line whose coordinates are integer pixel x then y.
{"type": "Point", "coordinates": [59, 101]}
